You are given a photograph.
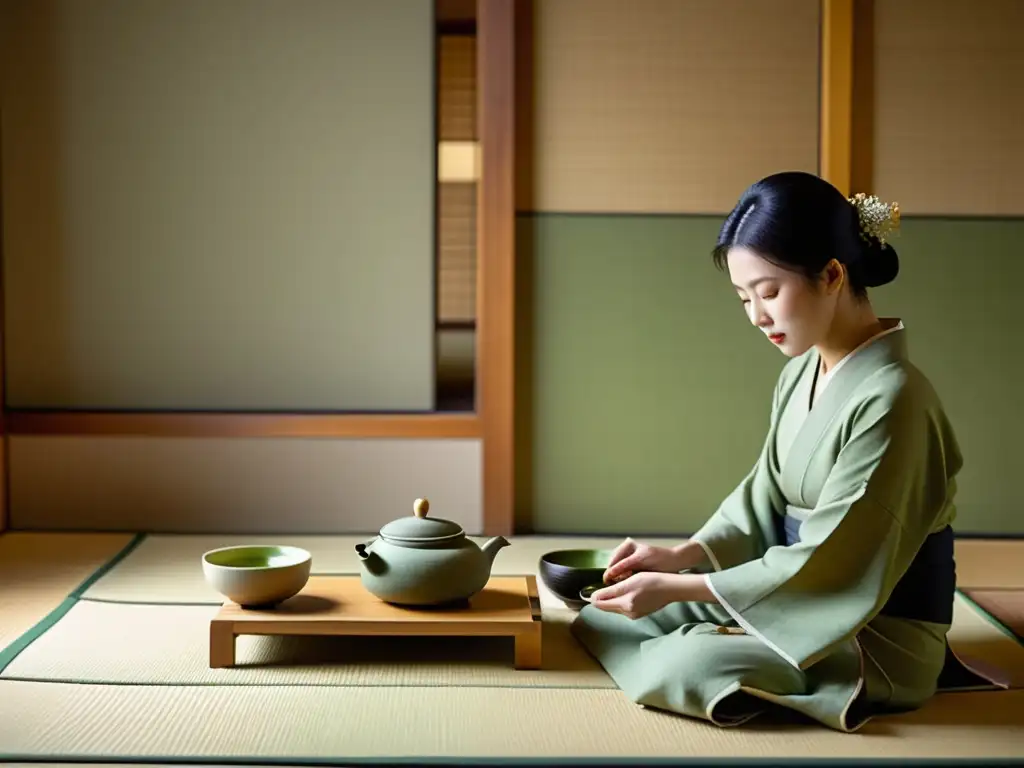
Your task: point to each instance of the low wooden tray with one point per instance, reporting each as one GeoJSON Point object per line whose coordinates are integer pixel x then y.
{"type": "Point", "coordinates": [340, 605]}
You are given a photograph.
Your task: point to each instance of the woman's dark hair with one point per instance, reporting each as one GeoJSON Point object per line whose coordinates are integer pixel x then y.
{"type": "Point", "coordinates": [800, 222]}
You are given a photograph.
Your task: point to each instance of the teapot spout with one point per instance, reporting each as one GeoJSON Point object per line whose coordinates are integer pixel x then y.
{"type": "Point", "coordinates": [492, 545]}
{"type": "Point", "coordinates": [369, 559]}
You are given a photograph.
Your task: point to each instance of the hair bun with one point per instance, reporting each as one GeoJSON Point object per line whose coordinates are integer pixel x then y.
{"type": "Point", "coordinates": [877, 221]}
{"type": "Point", "coordinates": [879, 264]}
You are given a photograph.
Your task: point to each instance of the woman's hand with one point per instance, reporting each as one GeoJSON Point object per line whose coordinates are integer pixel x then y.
{"type": "Point", "coordinates": [633, 557]}
{"type": "Point", "coordinates": [644, 593]}
{"type": "Point", "coordinates": [637, 595]}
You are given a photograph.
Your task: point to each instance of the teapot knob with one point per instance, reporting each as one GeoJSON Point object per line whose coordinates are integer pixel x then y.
{"type": "Point", "coordinates": [420, 507]}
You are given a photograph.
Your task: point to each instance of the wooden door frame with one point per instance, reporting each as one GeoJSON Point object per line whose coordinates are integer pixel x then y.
{"type": "Point", "coordinates": [496, 259]}
{"type": "Point", "coordinates": [493, 418]}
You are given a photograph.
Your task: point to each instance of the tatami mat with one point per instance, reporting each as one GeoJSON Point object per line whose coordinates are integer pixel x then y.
{"type": "Point", "coordinates": [353, 723]}
{"type": "Point", "coordinates": [97, 642]}
{"type": "Point", "coordinates": [136, 650]}
{"type": "Point", "coordinates": [1006, 605]}
{"type": "Point", "coordinates": [37, 571]}
{"type": "Point", "coordinates": [169, 645]}
{"type": "Point", "coordinates": [975, 638]}
{"type": "Point", "coordinates": [990, 563]}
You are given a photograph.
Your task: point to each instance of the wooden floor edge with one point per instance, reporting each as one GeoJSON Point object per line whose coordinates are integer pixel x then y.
{"type": "Point", "coordinates": [424, 426]}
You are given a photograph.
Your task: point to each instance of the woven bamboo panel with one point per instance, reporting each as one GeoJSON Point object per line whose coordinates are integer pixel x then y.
{"type": "Point", "coordinates": [457, 87]}
{"type": "Point", "coordinates": [457, 257]}
{"type": "Point", "coordinates": [670, 106]}
{"type": "Point", "coordinates": [456, 282]}
{"type": "Point", "coordinates": [949, 109]}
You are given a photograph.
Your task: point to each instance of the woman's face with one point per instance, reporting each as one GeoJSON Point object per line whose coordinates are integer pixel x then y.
{"type": "Point", "coordinates": [794, 313]}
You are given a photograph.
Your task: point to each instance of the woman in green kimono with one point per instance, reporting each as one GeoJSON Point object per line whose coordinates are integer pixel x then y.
{"type": "Point", "coordinates": [824, 583]}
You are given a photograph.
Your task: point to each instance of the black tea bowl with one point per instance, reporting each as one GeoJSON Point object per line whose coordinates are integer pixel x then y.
{"type": "Point", "coordinates": [567, 571]}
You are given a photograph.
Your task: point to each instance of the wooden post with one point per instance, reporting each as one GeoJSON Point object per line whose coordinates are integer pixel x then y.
{"type": "Point", "coordinates": [862, 124]}
{"type": "Point", "coordinates": [495, 342]}
{"type": "Point", "coordinates": [835, 162]}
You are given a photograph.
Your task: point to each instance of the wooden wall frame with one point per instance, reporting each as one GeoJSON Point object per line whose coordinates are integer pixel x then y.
{"type": "Point", "coordinates": [4, 454]}
{"type": "Point", "coordinates": [493, 420]}
{"type": "Point", "coordinates": [847, 94]}
{"type": "Point", "coordinates": [496, 259]}
{"type": "Point", "coordinates": [190, 424]}
{"type": "Point", "coordinates": [836, 102]}
{"type": "Point", "coordinates": [862, 119]}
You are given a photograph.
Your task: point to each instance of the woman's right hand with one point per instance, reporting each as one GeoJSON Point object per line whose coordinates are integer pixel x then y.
{"type": "Point", "coordinates": [632, 557]}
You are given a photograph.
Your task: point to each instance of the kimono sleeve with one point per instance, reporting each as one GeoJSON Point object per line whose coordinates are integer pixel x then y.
{"type": "Point", "coordinates": [744, 525]}
{"type": "Point", "coordinates": [889, 487]}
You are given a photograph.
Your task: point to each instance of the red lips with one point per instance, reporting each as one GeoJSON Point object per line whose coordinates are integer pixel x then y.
{"type": "Point", "coordinates": [777, 338]}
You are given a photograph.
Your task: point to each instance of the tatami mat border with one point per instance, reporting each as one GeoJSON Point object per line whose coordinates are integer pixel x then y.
{"type": "Point", "coordinates": [991, 617]}
{"type": "Point", "coordinates": [511, 762]}
{"type": "Point", "coordinates": [11, 652]}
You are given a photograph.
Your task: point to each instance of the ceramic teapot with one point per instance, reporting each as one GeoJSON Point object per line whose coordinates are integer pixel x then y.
{"type": "Point", "coordinates": [418, 560]}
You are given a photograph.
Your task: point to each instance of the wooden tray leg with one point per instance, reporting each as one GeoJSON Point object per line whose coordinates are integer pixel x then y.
{"type": "Point", "coordinates": [528, 644]}
{"type": "Point", "coordinates": [222, 644]}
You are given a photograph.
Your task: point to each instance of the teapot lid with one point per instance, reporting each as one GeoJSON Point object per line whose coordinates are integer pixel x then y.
{"type": "Point", "coordinates": [419, 528]}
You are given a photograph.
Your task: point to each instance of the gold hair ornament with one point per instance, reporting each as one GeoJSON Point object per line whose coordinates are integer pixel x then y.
{"type": "Point", "coordinates": [878, 219]}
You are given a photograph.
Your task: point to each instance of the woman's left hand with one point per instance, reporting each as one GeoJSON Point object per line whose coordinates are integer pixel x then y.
{"type": "Point", "coordinates": [639, 595]}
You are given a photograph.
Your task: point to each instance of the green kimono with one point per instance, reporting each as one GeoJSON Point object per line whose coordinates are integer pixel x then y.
{"type": "Point", "coordinates": [832, 562]}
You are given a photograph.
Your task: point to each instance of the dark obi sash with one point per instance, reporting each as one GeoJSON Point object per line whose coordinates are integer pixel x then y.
{"type": "Point", "coordinates": [927, 590]}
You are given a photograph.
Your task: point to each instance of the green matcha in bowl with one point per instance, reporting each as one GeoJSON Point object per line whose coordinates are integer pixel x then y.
{"type": "Point", "coordinates": [257, 575]}
{"type": "Point", "coordinates": [566, 572]}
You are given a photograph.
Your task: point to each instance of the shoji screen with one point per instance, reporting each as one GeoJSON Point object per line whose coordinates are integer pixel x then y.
{"type": "Point", "coordinates": [219, 204]}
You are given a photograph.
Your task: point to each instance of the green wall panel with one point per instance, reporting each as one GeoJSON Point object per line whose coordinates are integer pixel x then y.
{"type": "Point", "coordinates": [650, 391]}
{"type": "Point", "coordinates": [958, 293]}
